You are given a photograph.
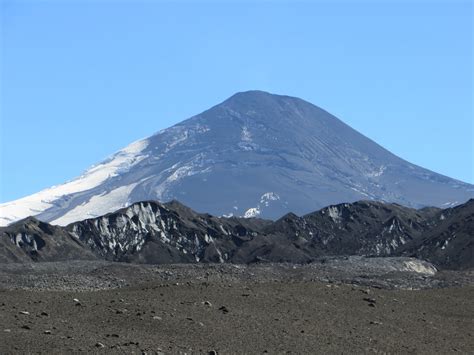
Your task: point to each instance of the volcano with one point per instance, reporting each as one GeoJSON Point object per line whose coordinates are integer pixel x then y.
{"type": "Point", "coordinates": [255, 154]}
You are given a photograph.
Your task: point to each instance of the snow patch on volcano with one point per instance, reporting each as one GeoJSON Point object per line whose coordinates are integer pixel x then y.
{"type": "Point", "coordinates": [252, 212]}
{"type": "Point", "coordinates": [34, 204]}
{"type": "Point", "coordinates": [265, 201]}
{"type": "Point", "coordinates": [178, 172]}
{"type": "Point", "coordinates": [266, 198]}
{"type": "Point", "coordinates": [98, 205]}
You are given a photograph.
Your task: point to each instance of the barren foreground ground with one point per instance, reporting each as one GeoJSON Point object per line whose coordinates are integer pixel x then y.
{"type": "Point", "coordinates": [336, 307]}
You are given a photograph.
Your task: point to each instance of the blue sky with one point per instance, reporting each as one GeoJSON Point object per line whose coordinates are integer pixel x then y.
{"type": "Point", "coordinates": [82, 79]}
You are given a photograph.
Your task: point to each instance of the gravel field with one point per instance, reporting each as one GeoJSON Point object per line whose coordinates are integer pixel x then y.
{"type": "Point", "coordinates": [337, 305]}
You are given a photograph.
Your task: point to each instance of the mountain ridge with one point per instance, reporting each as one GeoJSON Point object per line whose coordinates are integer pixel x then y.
{"type": "Point", "coordinates": [152, 232]}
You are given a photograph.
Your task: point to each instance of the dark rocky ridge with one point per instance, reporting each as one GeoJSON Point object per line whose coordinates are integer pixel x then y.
{"type": "Point", "coordinates": [33, 240]}
{"type": "Point", "coordinates": [151, 232]}
{"type": "Point", "coordinates": [451, 242]}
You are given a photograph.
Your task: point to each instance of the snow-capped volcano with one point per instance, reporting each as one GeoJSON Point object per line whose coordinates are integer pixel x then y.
{"type": "Point", "coordinates": [255, 154]}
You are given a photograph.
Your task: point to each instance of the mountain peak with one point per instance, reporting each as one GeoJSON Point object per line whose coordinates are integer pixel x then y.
{"type": "Point", "coordinates": [259, 98]}
{"type": "Point", "coordinates": [253, 94]}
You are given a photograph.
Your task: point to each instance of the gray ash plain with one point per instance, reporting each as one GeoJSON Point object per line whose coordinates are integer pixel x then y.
{"type": "Point", "coordinates": [333, 305]}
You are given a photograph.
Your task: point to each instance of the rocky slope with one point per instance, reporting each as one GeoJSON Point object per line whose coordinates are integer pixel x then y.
{"type": "Point", "coordinates": [451, 243]}
{"type": "Point", "coordinates": [255, 154]}
{"type": "Point", "coordinates": [151, 232]}
{"type": "Point", "coordinates": [34, 240]}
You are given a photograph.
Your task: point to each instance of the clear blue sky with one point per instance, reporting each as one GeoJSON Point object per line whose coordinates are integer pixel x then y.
{"type": "Point", "coordinates": [82, 79]}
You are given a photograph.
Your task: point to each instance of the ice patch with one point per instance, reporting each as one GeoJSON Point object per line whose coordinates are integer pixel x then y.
{"type": "Point", "coordinates": [178, 138]}
{"type": "Point", "coordinates": [246, 136]}
{"type": "Point", "coordinates": [181, 134]}
{"type": "Point", "coordinates": [177, 173]}
{"type": "Point", "coordinates": [395, 224]}
{"type": "Point", "coordinates": [267, 197]}
{"type": "Point", "coordinates": [334, 213]}
{"type": "Point", "coordinates": [181, 172]}
{"type": "Point", "coordinates": [378, 172]}
{"type": "Point", "coordinates": [223, 230]}
{"type": "Point", "coordinates": [445, 244]}
{"type": "Point", "coordinates": [208, 239]}
{"type": "Point", "coordinates": [246, 143]}
{"type": "Point", "coordinates": [252, 212]}
{"type": "Point", "coordinates": [419, 267]}
{"type": "Point", "coordinates": [265, 201]}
